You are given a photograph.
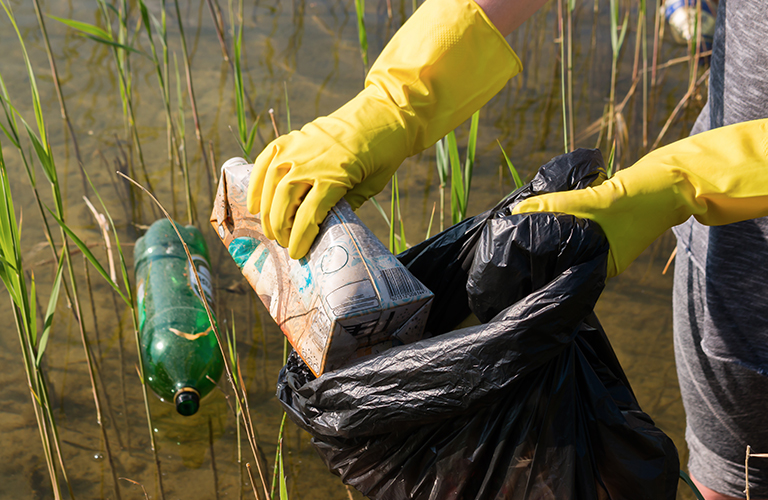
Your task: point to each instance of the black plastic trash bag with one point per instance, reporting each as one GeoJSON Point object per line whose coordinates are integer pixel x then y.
{"type": "Point", "coordinates": [532, 404]}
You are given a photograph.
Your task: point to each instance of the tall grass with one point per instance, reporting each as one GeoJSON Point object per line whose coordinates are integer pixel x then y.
{"type": "Point", "coordinates": [461, 178]}
{"type": "Point", "coordinates": [57, 87]}
{"type": "Point", "coordinates": [570, 5]}
{"type": "Point", "coordinates": [245, 136]}
{"type": "Point", "coordinates": [182, 138]}
{"type": "Point", "coordinates": [31, 341]}
{"type": "Point", "coordinates": [361, 32]}
{"type": "Point", "coordinates": [397, 241]}
{"type": "Point", "coordinates": [512, 170]}
{"type": "Point", "coordinates": [162, 72]}
{"type": "Point", "coordinates": [563, 92]}
{"type": "Point", "coordinates": [191, 94]}
{"type": "Point", "coordinates": [45, 157]}
{"type": "Point", "coordinates": [617, 40]}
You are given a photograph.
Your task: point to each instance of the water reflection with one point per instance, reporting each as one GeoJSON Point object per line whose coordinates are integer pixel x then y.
{"type": "Point", "coordinates": [190, 438]}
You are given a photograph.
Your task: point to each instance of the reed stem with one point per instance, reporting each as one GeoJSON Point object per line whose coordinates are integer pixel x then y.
{"type": "Point", "coordinates": [191, 93]}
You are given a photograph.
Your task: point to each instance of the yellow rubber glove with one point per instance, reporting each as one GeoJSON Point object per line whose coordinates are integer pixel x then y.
{"type": "Point", "coordinates": [445, 63]}
{"type": "Point", "coordinates": [719, 177]}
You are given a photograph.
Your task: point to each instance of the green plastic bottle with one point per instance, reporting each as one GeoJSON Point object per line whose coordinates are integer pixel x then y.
{"type": "Point", "coordinates": [182, 360]}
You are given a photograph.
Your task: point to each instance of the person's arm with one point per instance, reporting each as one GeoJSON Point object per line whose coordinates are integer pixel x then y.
{"type": "Point", "coordinates": [508, 15]}
{"type": "Point", "coordinates": [446, 62]}
{"type": "Point", "coordinates": [719, 177]}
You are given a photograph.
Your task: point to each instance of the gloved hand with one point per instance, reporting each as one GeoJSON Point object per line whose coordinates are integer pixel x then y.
{"type": "Point", "coordinates": [443, 64]}
{"type": "Point", "coordinates": [719, 177]}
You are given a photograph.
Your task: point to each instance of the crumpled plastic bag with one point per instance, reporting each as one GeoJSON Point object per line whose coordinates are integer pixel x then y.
{"type": "Point", "coordinates": [531, 404]}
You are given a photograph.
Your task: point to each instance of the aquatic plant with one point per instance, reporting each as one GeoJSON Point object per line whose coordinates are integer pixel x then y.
{"type": "Point", "coordinates": [461, 179]}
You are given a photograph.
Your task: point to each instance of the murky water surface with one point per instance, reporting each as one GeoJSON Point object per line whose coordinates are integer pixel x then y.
{"type": "Point", "coordinates": [311, 49]}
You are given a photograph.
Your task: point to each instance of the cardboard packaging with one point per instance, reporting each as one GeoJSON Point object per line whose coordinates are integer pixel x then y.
{"type": "Point", "coordinates": [348, 298]}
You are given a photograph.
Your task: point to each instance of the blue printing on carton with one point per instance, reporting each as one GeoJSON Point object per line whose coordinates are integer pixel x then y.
{"type": "Point", "coordinates": [241, 249]}
{"type": "Point", "coordinates": [301, 277]}
{"type": "Point", "coordinates": [259, 264]}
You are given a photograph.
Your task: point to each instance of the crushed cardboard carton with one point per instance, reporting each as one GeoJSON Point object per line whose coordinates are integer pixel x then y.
{"type": "Point", "coordinates": [348, 298]}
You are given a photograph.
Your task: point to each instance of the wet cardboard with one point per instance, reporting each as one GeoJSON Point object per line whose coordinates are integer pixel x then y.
{"type": "Point", "coordinates": [348, 298]}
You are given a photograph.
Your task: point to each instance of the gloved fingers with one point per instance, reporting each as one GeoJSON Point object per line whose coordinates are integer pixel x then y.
{"type": "Point", "coordinates": [312, 211]}
{"type": "Point", "coordinates": [369, 187]}
{"type": "Point", "coordinates": [530, 205]}
{"type": "Point", "coordinates": [275, 173]}
{"type": "Point", "coordinates": [259, 172]}
{"type": "Point", "coordinates": [287, 198]}
{"type": "Point", "coordinates": [581, 203]}
{"type": "Point", "coordinates": [590, 203]}
{"type": "Point", "coordinates": [355, 199]}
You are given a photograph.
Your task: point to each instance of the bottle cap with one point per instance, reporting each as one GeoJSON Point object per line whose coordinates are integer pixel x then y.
{"type": "Point", "coordinates": [187, 401]}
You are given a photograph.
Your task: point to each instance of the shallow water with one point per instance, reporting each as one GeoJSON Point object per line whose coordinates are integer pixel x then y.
{"type": "Point", "coordinates": [312, 48]}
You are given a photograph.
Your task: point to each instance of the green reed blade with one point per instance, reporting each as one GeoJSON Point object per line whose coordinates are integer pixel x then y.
{"type": "Point", "coordinates": [614, 15]}
{"type": "Point", "coordinates": [287, 107]}
{"type": "Point", "coordinates": [283, 485]}
{"type": "Point", "coordinates": [362, 36]}
{"type": "Point", "coordinates": [48, 322]}
{"type": "Point", "coordinates": [392, 216]}
{"type": "Point", "coordinates": [276, 468]}
{"type": "Point", "coordinates": [611, 160]}
{"type": "Point", "coordinates": [88, 255]}
{"type": "Point", "coordinates": [232, 349]}
{"type": "Point", "coordinates": [397, 246]}
{"type": "Point", "coordinates": [33, 307]}
{"type": "Point", "coordinates": [9, 231]}
{"type": "Point", "coordinates": [252, 137]}
{"type": "Point", "coordinates": [5, 102]}
{"type": "Point", "coordinates": [13, 136]}
{"type": "Point", "coordinates": [431, 218]}
{"type": "Point", "coordinates": [86, 28]}
{"type": "Point", "coordinates": [112, 43]}
{"type": "Point", "coordinates": [563, 95]}
{"type": "Point", "coordinates": [470, 160]}
{"type": "Point", "coordinates": [458, 209]}
{"type": "Point", "coordinates": [242, 126]}
{"type": "Point", "coordinates": [32, 80]}
{"type": "Point", "coordinates": [180, 126]}
{"type": "Point", "coordinates": [443, 164]}
{"type": "Point", "coordinates": [96, 34]}
{"type": "Point", "coordinates": [181, 120]}
{"type": "Point", "coordinates": [5, 263]}
{"type": "Point", "coordinates": [44, 156]}
{"type": "Point", "coordinates": [8, 135]}
{"type": "Point", "coordinates": [25, 320]}
{"type": "Point", "coordinates": [380, 210]}
{"type": "Point", "coordinates": [617, 36]}
{"type": "Point", "coordinates": [623, 29]}
{"type": "Point", "coordinates": [443, 167]}
{"type": "Point", "coordinates": [512, 169]}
